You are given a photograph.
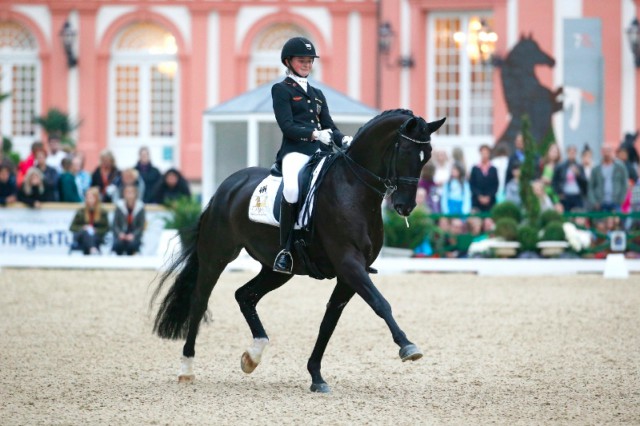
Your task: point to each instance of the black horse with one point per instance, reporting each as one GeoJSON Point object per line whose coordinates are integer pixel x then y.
{"type": "Point", "coordinates": [386, 157]}
{"type": "Point", "coordinates": [523, 92]}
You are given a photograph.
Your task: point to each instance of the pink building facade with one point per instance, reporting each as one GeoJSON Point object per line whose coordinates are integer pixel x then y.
{"type": "Point", "coordinates": [147, 69]}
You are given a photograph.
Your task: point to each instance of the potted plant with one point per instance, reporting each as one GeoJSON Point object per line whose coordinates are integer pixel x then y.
{"type": "Point", "coordinates": [57, 122]}
{"type": "Point", "coordinates": [400, 240]}
{"type": "Point", "coordinates": [507, 231]}
{"type": "Point", "coordinates": [528, 239]}
{"type": "Point", "coordinates": [553, 241]}
{"type": "Point", "coordinates": [184, 216]}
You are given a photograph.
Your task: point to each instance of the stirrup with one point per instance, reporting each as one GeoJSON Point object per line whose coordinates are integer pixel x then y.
{"type": "Point", "coordinates": [286, 262]}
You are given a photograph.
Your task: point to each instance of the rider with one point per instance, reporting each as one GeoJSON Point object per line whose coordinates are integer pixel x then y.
{"type": "Point", "coordinates": [303, 116]}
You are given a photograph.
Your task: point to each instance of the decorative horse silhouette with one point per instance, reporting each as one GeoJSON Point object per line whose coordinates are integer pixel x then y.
{"type": "Point", "coordinates": [385, 158]}
{"type": "Point", "coordinates": [628, 144]}
{"type": "Point", "coordinates": [523, 92]}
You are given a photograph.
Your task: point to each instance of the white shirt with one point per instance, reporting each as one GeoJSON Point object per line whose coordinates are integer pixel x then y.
{"type": "Point", "coordinates": [302, 81]}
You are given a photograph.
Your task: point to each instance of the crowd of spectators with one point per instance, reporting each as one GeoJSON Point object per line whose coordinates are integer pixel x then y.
{"type": "Point", "coordinates": [564, 183]}
{"type": "Point", "coordinates": [51, 174]}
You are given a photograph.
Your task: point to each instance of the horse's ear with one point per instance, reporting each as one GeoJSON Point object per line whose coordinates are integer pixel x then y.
{"type": "Point", "coordinates": [435, 125]}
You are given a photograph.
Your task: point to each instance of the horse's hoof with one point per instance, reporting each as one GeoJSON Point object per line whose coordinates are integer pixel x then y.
{"type": "Point", "coordinates": [186, 378]}
{"type": "Point", "coordinates": [320, 388]}
{"type": "Point", "coordinates": [410, 353]}
{"type": "Point", "coordinates": [247, 364]}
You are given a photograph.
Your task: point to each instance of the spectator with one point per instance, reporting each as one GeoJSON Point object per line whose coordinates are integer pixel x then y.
{"type": "Point", "coordinates": [608, 183]}
{"type": "Point", "coordinates": [67, 187]}
{"type": "Point", "coordinates": [456, 194]}
{"type": "Point", "coordinates": [458, 157]}
{"type": "Point", "coordinates": [83, 178]}
{"type": "Point", "coordinates": [104, 175]}
{"type": "Point", "coordinates": [501, 162]}
{"type": "Point", "coordinates": [128, 177]}
{"type": "Point", "coordinates": [149, 174]}
{"type": "Point", "coordinates": [128, 222]}
{"type": "Point", "coordinates": [442, 168]}
{"type": "Point", "coordinates": [427, 183]}
{"type": "Point", "coordinates": [570, 182]}
{"type": "Point", "coordinates": [512, 188]}
{"type": "Point", "coordinates": [623, 156]}
{"type": "Point", "coordinates": [483, 182]}
{"type": "Point", "coordinates": [4, 161]}
{"type": "Point", "coordinates": [545, 201]}
{"type": "Point", "coordinates": [27, 163]}
{"type": "Point", "coordinates": [49, 175]}
{"type": "Point", "coordinates": [171, 187]}
{"type": "Point", "coordinates": [517, 155]}
{"type": "Point", "coordinates": [547, 166]}
{"type": "Point", "coordinates": [8, 188]}
{"type": "Point", "coordinates": [56, 154]}
{"type": "Point", "coordinates": [90, 224]}
{"type": "Point", "coordinates": [33, 191]}
{"type": "Point", "coordinates": [586, 159]}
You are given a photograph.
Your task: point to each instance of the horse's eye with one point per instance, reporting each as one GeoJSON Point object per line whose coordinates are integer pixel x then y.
{"type": "Point", "coordinates": [421, 155]}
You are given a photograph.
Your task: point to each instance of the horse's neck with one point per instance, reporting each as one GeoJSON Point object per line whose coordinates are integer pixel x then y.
{"type": "Point", "coordinates": [371, 148]}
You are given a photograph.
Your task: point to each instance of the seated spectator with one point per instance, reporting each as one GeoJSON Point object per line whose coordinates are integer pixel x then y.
{"type": "Point", "coordinates": [56, 154]}
{"type": "Point", "coordinates": [127, 177]}
{"type": "Point", "coordinates": [128, 222]}
{"type": "Point", "coordinates": [90, 224]}
{"type": "Point", "coordinates": [49, 175]}
{"type": "Point", "coordinates": [546, 203]}
{"type": "Point", "coordinates": [104, 175]}
{"type": "Point", "coordinates": [83, 178]}
{"type": "Point", "coordinates": [512, 188]}
{"type": "Point", "coordinates": [33, 191]}
{"type": "Point", "coordinates": [27, 163]}
{"type": "Point", "coordinates": [8, 187]}
{"type": "Point", "coordinates": [483, 182]}
{"type": "Point", "coordinates": [149, 174]}
{"type": "Point", "coordinates": [570, 182]}
{"type": "Point", "coordinates": [171, 187]}
{"type": "Point", "coordinates": [456, 194]}
{"type": "Point", "coordinates": [67, 187]}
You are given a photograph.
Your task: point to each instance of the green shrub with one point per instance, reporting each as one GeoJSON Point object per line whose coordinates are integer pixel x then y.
{"type": "Point", "coordinates": [528, 170]}
{"type": "Point", "coordinates": [553, 232]}
{"type": "Point", "coordinates": [185, 213]}
{"type": "Point", "coordinates": [57, 122]}
{"type": "Point", "coordinates": [396, 233]}
{"type": "Point", "coordinates": [507, 228]}
{"type": "Point", "coordinates": [9, 153]}
{"type": "Point", "coordinates": [528, 238]}
{"type": "Point", "coordinates": [548, 216]}
{"type": "Point", "coordinates": [506, 209]}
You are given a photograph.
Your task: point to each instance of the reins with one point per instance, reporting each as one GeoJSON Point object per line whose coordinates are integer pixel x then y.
{"type": "Point", "coordinates": [384, 187]}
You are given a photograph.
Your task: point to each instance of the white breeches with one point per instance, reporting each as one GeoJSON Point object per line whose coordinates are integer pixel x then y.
{"type": "Point", "coordinates": [291, 165]}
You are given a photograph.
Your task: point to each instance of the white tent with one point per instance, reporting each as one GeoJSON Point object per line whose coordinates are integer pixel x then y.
{"type": "Point", "coordinates": [243, 132]}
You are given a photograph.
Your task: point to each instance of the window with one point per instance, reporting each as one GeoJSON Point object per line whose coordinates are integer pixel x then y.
{"type": "Point", "coordinates": [144, 95]}
{"type": "Point", "coordinates": [19, 78]}
{"type": "Point", "coordinates": [265, 65]}
{"type": "Point", "coordinates": [460, 84]}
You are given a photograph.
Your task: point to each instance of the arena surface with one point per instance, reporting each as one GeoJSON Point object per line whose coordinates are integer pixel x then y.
{"type": "Point", "coordinates": [77, 348]}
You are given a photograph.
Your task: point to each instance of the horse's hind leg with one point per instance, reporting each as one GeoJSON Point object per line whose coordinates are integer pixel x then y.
{"type": "Point", "coordinates": [248, 297]}
{"type": "Point", "coordinates": [207, 278]}
{"type": "Point", "coordinates": [341, 295]}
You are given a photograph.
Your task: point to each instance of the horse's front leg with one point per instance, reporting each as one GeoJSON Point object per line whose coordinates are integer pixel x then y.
{"type": "Point", "coordinates": [341, 295]}
{"type": "Point", "coordinates": [353, 272]}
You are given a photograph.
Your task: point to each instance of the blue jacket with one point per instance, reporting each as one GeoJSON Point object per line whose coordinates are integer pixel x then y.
{"type": "Point", "coordinates": [455, 198]}
{"type": "Point", "coordinates": [298, 114]}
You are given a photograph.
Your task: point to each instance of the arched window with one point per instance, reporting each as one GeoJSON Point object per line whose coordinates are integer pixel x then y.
{"type": "Point", "coordinates": [143, 93]}
{"type": "Point", "coordinates": [19, 79]}
{"type": "Point", "coordinates": [265, 65]}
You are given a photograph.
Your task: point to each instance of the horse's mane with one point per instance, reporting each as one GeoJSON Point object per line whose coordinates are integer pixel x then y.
{"type": "Point", "coordinates": [379, 117]}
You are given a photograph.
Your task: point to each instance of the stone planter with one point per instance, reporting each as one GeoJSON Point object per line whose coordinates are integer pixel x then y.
{"type": "Point", "coordinates": [505, 248]}
{"type": "Point", "coordinates": [552, 248]}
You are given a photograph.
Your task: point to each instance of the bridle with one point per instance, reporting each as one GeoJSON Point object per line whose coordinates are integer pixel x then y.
{"type": "Point", "coordinates": [386, 186]}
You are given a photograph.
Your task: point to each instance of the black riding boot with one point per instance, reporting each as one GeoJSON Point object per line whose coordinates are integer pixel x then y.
{"type": "Point", "coordinates": [284, 260]}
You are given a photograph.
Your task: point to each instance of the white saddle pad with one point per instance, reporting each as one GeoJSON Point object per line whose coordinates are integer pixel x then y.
{"type": "Point", "coordinates": [264, 198]}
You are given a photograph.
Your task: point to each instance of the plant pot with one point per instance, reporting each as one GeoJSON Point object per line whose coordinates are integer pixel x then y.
{"type": "Point", "coordinates": [505, 248]}
{"type": "Point", "coordinates": [552, 248]}
{"type": "Point", "coordinates": [395, 252]}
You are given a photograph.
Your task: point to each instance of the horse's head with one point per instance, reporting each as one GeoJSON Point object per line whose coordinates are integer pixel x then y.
{"type": "Point", "coordinates": [411, 152]}
{"type": "Point", "coordinates": [527, 53]}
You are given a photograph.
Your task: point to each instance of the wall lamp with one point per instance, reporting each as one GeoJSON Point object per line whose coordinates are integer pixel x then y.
{"type": "Point", "coordinates": [68, 37]}
{"type": "Point", "coordinates": [633, 35]}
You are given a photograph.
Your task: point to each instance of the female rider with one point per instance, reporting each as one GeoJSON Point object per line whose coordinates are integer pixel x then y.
{"type": "Point", "coordinates": [303, 116]}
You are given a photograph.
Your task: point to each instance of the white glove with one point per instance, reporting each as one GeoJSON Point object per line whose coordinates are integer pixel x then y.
{"type": "Point", "coordinates": [346, 141]}
{"type": "Point", "coordinates": [324, 136]}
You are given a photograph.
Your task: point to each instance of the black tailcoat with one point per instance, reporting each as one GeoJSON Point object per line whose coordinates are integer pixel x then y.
{"type": "Point", "coordinates": [298, 114]}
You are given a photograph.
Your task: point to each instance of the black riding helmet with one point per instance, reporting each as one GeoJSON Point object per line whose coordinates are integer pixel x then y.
{"type": "Point", "coordinates": [297, 46]}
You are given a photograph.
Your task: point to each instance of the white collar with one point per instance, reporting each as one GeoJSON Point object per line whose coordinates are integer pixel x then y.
{"type": "Point", "coordinates": [302, 81]}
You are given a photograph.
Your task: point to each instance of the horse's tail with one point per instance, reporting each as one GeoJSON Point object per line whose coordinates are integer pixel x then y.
{"type": "Point", "coordinates": [172, 319]}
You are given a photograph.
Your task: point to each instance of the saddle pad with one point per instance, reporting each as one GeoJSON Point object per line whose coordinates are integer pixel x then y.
{"type": "Point", "coordinates": [263, 200]}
